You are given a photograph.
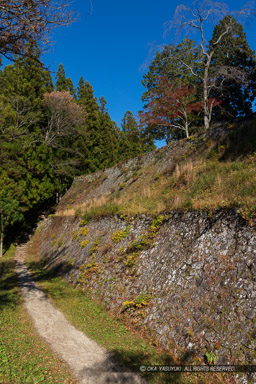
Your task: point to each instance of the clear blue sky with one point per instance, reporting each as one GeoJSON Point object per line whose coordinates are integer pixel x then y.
{"type": "Point", "coordinates": [109, 44]}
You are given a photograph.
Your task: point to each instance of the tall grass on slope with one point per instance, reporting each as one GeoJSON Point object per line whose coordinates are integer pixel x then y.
{"type": "Point", "coordinates": [210, 174]}
{"type": "Point", "coordinates": [207, 184]}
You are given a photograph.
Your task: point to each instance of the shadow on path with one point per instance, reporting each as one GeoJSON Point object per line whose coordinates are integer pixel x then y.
{"type": "Point", "coordinates": [8, 282]}
{"type": "Point", "coordinates": [91, 363]}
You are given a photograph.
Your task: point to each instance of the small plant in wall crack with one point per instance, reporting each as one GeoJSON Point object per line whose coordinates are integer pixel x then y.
{"type": "Point", "coordinates": [83, 231]}
{"type": "Point", "coordinates": [156, 223]}
{"type": "Point", "coordinates": [83, 222]}
{"type": "Point", "coordinates": [211, 357]}
{"type": "Point", "coordinates": [75, 235]}
{"type": "Point", "coordinates": [146, 241]}
{"type": "Point", "coordinates": [95, 246]}
{"type": "Point", "coordinates": [86, 270]}
{"type": "Point", "coordinates": [119, 235]}
{"type": "Point", "coordinates": [143, 299]}
{"type": "Point", "coordinates": [60, 243]}
{"type": "Point", "coordinates": [53, 243]}
{"type": "Point", "coordinates": [131, 259]}
{"type": "Point", "coordinates": [130, 254]}
{"type": "Point", "coordinates": [248, 214]}
{"type": "Point", "coordinates": [84, 243]}
{"type": "Point", "coordinates": [140, 301]}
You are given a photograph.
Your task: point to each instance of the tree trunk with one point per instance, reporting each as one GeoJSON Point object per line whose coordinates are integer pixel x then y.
{"type": "Point", "coordinates": [1, 236]}
{"type": "Point", "coordinates": [206, 108]}
{"type": "Point", "coordinates": [186, 130]}
{"type": "Point", "coordinates": [186, 123]}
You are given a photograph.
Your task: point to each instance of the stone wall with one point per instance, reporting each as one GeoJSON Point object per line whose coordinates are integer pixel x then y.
{"type": "Point", "coordinates": [189, 278]}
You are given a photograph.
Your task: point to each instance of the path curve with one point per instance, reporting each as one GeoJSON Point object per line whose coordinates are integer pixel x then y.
{"type": "Point", "coordinates": [90, 363]}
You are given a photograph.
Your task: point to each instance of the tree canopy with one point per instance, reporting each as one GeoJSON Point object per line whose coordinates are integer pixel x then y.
{"type": "Point", "coordinates": [234, 53]}
{"type": "Point", "coordinates": [48, 136]}
{"type": "Point", "coordinates": [221, 71]}
{"type": "Point", "coordinates": [51, 133]}
{"type": "Point", "coordinates": [29, 21]}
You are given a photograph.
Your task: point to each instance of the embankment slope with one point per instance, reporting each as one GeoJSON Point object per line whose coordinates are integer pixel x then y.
{"type": "Point", "coordinates": [168, 241]}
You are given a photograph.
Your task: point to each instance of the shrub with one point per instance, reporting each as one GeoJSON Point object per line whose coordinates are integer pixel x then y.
{"type": "Point", "coordinates": [86, 270]}
{"type": "Point", "coordinates": [84, 231]}
{"type": "Point", "coordinates": [95, 246]}
{"type": "Point", "coordinates": [131, 259]}
{"type": "Point", "coordinates": [83, 222]}
{"type": "Point", "coordinates": [119, 235]}
{"type": "Point", "coordinates": [84, 243]}
{"type": "Point", "coordinates": [75, 235]}
{"type": "Point", "coordinates": [141, 300]}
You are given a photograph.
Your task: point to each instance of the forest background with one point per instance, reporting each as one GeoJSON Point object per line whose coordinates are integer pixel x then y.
{"type": "Point", "coordinates": [52, 131]}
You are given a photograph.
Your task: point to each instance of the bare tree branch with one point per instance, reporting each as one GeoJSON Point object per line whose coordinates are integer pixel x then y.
{"type": "Point", "coordinates": [25, 21]}
{"type": "Point", "coordinates": [194, 19]}
{"type": "Point", "coordinates": [65, 116]}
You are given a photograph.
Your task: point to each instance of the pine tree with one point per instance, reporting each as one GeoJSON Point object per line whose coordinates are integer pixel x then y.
{"type": "Point", "coordinates": [60, 79]}
{"type": "Point", "coordinates": [10, 208]}
{"type": "Point", "coordinates": [80, 90]}
{"type": "Point", "coordinates": [167, 64]}
{"type": "Point", "coordinates": [25, 162]}
{"type": "Point", "coordinates": [100, 142]}
{"type": "Point", "coordinates": [109, 137]}
{"type": "Point", "coordinates": [70, 87]}
{"type": "Point", "coordinates": [132, 143]}
{"type": "Point", "coordinates": [62, 83]}
{"type": "Point", "coordinates": [25, 82]}
{"type": "Point", "coordinates": [234, 52]}
{"type": "Point", "coordinates": [89, 143]}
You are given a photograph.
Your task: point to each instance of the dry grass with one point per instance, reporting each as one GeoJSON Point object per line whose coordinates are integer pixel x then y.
{"type": "Point", "coordinates": [204, 184]}
{"type": "Point", "coordinates": [80, 209]}
{"type": "Point", "coordinates": [209, 178]}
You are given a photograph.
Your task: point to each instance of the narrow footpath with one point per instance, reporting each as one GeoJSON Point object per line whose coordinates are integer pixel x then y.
{"type": "Point", "coordinates": [90, 363]}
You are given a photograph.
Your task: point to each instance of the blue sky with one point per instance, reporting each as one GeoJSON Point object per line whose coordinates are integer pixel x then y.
{"type": "Point", "coordinates": [109, 46]}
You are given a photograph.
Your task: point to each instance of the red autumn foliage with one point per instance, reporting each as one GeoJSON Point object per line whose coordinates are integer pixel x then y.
{"type": "Point", "coordinates": [172, 105]}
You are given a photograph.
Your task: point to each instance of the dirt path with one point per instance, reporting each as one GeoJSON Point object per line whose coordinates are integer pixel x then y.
{"type": "Point", "coordinates": [90, 363]}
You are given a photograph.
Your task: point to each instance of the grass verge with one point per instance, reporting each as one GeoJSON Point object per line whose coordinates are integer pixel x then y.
{"type": "Point", "coordinates": [128, 347]}
{"type": "Point", "coordinates": [24, 357]}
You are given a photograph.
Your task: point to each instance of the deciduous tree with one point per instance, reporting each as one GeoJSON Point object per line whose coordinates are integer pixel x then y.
{"type": "Point", "coordinates": [64, 118]}
{"type": "Point", "coordinates": [170, 109]}
{"type": "Point", "coordinates": [65, 123]}
{"type": "Point", "coordinates": [196, 19]}
{"type": "Point", "coordinates": [167, 64]}
{"type": "Point", "coordinates": [25, 21]}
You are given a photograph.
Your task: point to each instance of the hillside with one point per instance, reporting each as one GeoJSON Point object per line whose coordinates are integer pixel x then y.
{"type": "Point", "coordinates": [211, 171]}
{"type": "Point", "coordinates": [166, 242]}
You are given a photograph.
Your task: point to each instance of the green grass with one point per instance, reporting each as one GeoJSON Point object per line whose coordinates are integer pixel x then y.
{"type": "Point", "coordinates": [104, 210]}
{"type": "Point", "coordinates": [129, 348]}
{"type": "Point", "coordinates": [24, 357]}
